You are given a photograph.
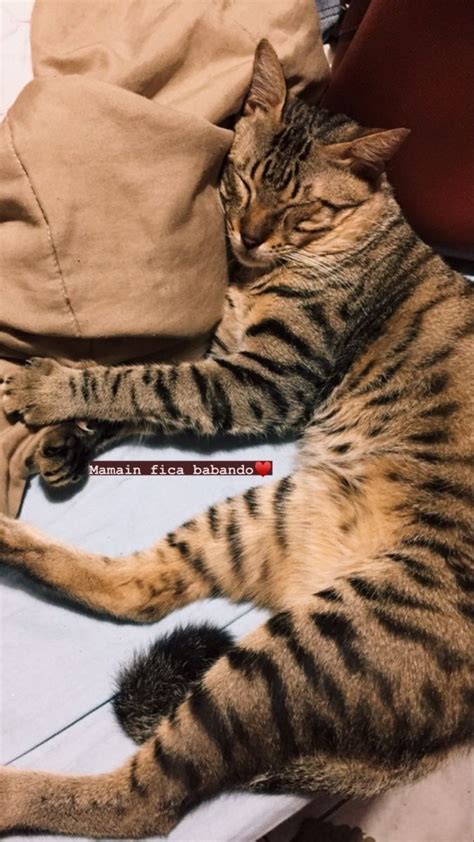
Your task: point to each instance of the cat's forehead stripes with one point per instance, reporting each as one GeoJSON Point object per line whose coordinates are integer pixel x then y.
{"type": "Point", "coordinates": [298, 141]}
{"type": "Point", "coordinates": [291, 143]}
{"type": "Point", "coordinates": [281, 165]}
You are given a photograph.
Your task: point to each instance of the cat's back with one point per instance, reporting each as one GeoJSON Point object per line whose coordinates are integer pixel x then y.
{"type": "Point", "coordinates": [418, 372]}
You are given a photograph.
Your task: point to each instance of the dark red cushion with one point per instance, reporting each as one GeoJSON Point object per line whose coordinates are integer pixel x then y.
{"type": "Point", "coordinates": [411, 63]}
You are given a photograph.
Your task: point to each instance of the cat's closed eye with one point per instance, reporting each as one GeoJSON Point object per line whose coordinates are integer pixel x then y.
{"type": "Point", "coordinates": [311, 205]}
{"type": "Point", "coordinates": [297, 216]}
{"type": "Point", "coordinates": [308, 227]}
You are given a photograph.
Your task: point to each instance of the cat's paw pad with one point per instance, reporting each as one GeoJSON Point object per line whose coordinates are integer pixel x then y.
{"type": "Point", "coordinates": [63, 454]}
{"type": "Point", "coordinates": [37, 392]}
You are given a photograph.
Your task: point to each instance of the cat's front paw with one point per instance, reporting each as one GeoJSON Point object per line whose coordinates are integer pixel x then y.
{"type": "Point", "coordinates": [39, 392]}
{"type": "Point", "coordinates": [63, 453]}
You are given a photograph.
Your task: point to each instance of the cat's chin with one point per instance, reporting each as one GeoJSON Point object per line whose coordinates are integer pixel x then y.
{"type": "Point", "coordinates": [255, 261]}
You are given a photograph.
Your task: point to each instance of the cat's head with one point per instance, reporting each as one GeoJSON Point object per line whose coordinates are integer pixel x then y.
{"type": "Point", "coordinates": [297, 178]}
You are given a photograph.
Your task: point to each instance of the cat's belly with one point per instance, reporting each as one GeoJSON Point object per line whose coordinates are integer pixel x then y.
{"type": "Point", "coordinates": [344, 519]}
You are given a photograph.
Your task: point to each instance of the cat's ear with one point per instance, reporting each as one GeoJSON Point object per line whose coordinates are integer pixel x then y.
{"type": "Point", "coordinates": [267, 90]}
{"type": "Point", "coordinates": [367, 154]}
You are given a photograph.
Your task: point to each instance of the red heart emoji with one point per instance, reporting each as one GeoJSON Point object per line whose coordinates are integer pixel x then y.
{"type": "Point", "coordinates": [263, 468]}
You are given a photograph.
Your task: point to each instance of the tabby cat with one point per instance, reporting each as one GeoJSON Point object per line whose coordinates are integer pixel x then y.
{"type": "Point", "coordinates": [357, 333]}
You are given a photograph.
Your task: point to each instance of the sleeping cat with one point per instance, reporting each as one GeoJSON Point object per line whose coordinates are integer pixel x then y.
{"type": "Point", "coordinates": [356, 333]}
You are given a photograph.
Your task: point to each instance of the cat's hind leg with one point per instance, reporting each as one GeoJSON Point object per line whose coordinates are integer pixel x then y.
{"type": "Point", "coordinates": [318, 697]}
{"type": "Point", "coordinates": [231, 550]}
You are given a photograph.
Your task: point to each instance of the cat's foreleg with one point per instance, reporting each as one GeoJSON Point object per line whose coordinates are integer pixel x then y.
{"type": "Point", "coordinates": [245, 393]}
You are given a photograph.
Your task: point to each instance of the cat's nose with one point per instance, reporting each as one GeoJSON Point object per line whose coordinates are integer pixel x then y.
{"type": "Point", "coordinates": [250, 242]}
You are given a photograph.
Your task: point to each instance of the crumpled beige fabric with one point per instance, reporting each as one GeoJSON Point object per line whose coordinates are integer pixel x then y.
{"type": "Point", "coordinates": [111, 238]}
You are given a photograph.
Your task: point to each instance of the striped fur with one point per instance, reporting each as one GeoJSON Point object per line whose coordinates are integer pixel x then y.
{"type": "Point", "coordinates": [352, 331]}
